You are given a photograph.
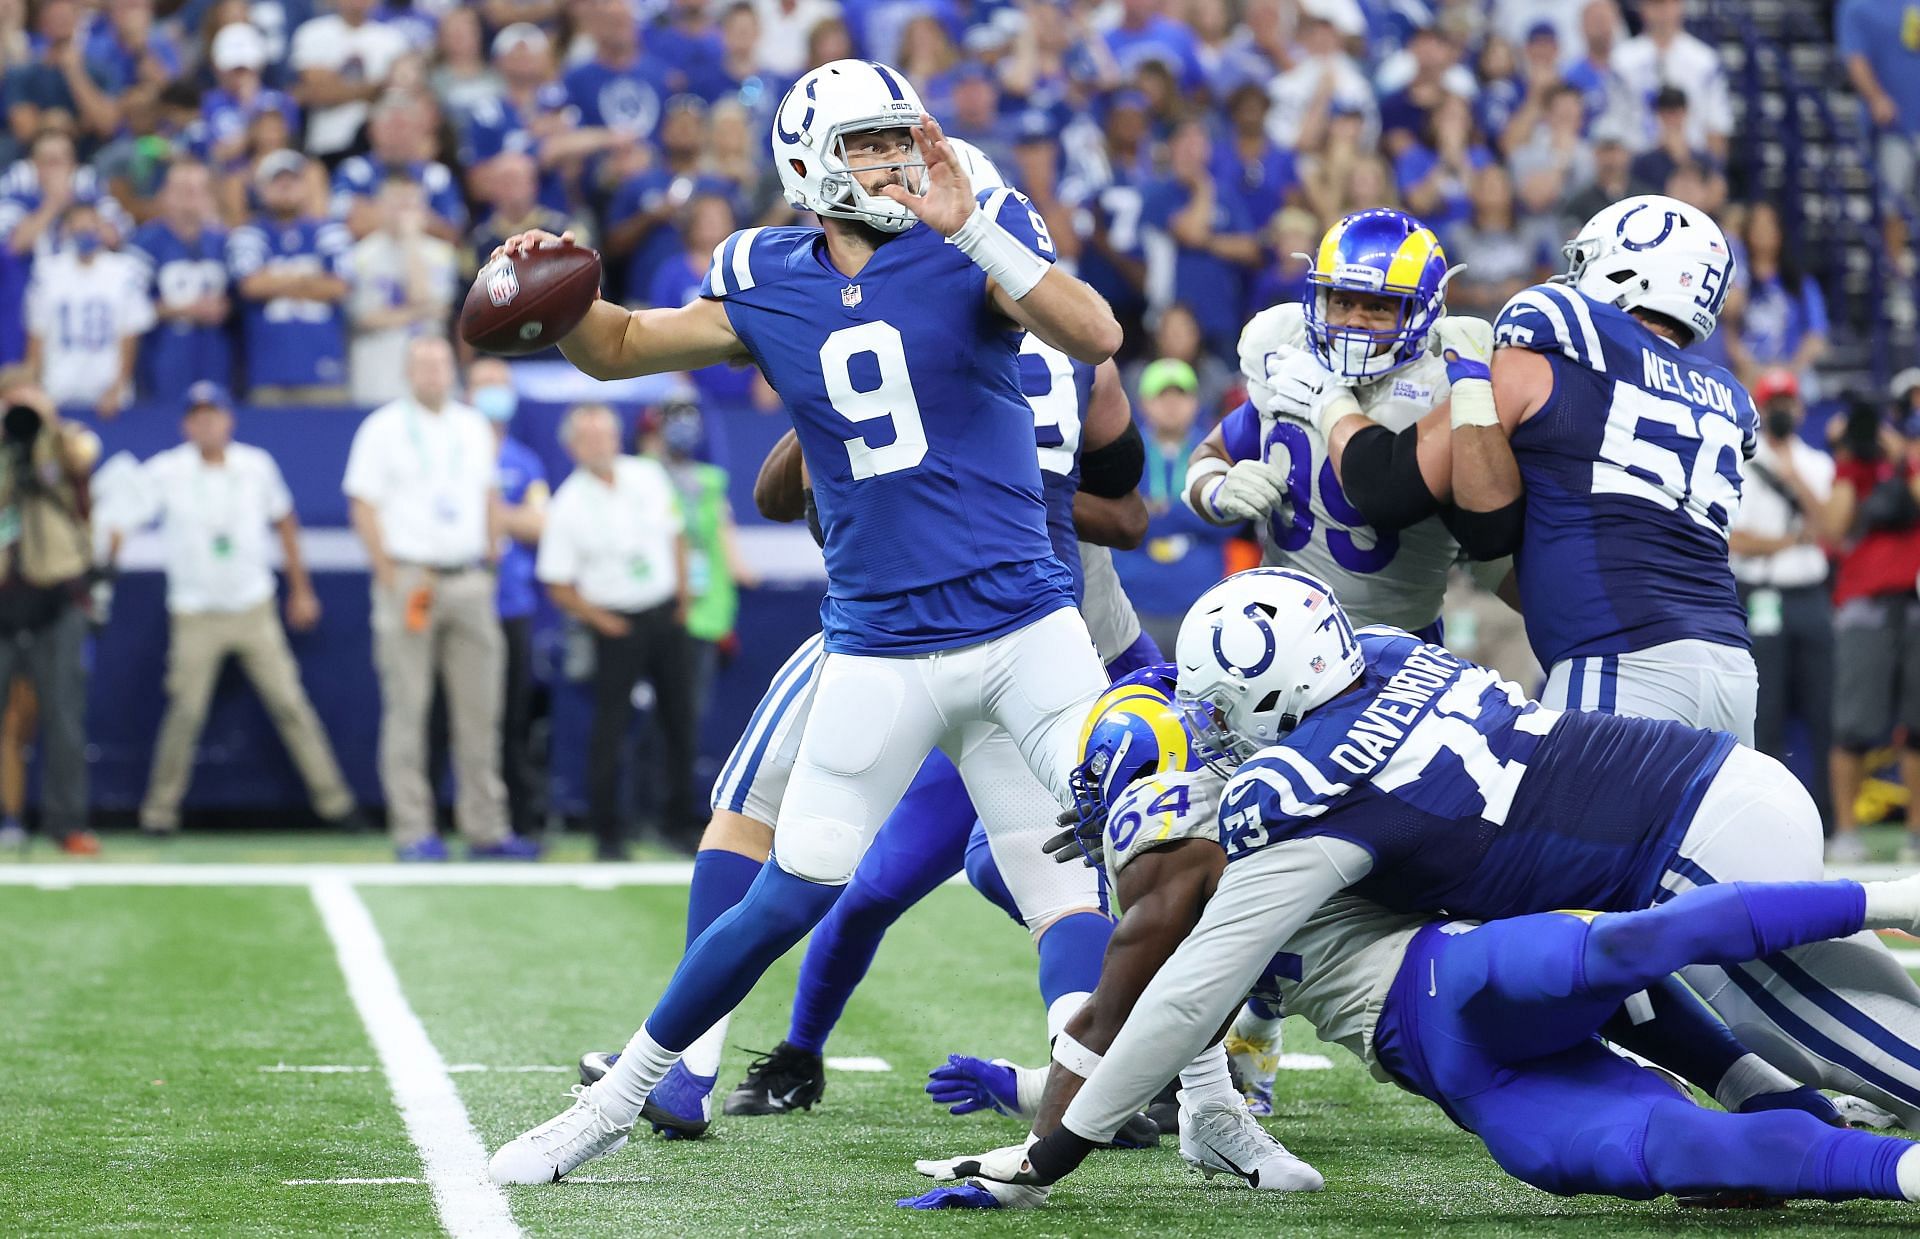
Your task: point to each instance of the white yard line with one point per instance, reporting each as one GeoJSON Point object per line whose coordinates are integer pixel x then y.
{"type": "Point", "coordinates": [60, 875]}
{"type": "Point", "coordinates": [858, 1062]}
{"type": "Point", "coordinates": [349, 1182]}
{"type": "Point", "coordinates": [451, 1154]}
{"type": "Point", "coordinates": [453, 1069]}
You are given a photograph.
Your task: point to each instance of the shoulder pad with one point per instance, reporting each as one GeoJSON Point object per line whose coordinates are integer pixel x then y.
{"type": "Point", "coordinates": [1161, 809]}
{"type": "Point", "coordinates": [1269, 336]}
{"type": "Point", "coordinates": [748, 258]}
{"type": "Point", "coordinates": [1551, 318]}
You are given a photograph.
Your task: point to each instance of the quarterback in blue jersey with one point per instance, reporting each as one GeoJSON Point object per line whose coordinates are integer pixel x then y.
{"type": "Point", "coordinates": [1497, 1023]}
{"type": "Point", "coordinates": [1373, 764]}
{"type": "Point", "coordinates": [1610, 459]}
{"type": "Point", "coordinates": [892, 333]}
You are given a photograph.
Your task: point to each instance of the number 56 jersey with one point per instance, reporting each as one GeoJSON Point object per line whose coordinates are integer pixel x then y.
{"type": "Point", "coordinates": [1632, 475]}
{"type": "Point", "coordinates": [904, 385]}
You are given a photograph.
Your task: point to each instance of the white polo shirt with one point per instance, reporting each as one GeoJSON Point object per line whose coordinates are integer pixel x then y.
{"type": "Point", "coordinates": [216, 524]}
{"type": "Point", "coordinates": [428, 474]}
{"type": "Point", "coordinates": [614, 543]}
{"type": "Point", "coordinates": [1764, 512]}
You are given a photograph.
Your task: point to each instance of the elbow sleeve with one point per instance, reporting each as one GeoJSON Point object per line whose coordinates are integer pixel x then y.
{"type": "Point", "coordinates": [1114, 471]}
{"type": "Point", "coordinates": [1380, 475]}
{"type": "Point", "coordinates": [1487, 535]}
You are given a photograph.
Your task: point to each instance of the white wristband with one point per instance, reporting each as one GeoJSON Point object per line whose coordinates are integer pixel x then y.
{"type": "Point", "coordinates": [1213, 472]}
{"type": "Point", "coordinates": [1473, 404]}
{"type": "Point", "coordinates": [1338, 404]}
{"type": "Point", "coordinates": [999, 253]}
{"type": "Point", "coordinates": [1075, 1057]}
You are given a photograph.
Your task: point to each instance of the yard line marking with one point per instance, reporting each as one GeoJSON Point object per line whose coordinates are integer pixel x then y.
{"type": "Point", "coordinates": [468, 1202]}
{"type": "Point", "coordinates": [328, 1069]}
{"type": "Point", "coordinates": [1305, 1062]}
{"type": "Point", "coordinates": [348, 1182]}
{"type": "Point", "coordinates": [318, 1069]}
{"type": "Point", "coordinates": [858, 1062]}
{"type": "Point", "coordinates": [62, 875]}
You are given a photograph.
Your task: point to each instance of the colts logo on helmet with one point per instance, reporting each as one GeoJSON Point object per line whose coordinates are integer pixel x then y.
{"type": "Point", "coordinates": [1260, 664]}
{"type": "Point", "coordinates": [1667, 226]}
{"type": "Point", "coordinates": [806, 122]}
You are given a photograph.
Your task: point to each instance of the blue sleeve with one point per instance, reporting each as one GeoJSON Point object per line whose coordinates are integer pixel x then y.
{"type": "Point", "coordinates": [1240, 432]}
{"type": "Point", "coordinates": [1813, 303]}
{"type": "Point", "coordinates": [1239, 214]}
{"type": "Point", "coordinates": [1276, 796]}
{"type": "Point", "coordinates": [445, 200]}
{"type": "Point", "coordinates": [1852, 32]}
{"type": "Point", "coordinates": [1412, 166]}
{"type": "Point", "coordinates": [1013, 211]}
{"type": "Point", "coordinates": [1160, 201]}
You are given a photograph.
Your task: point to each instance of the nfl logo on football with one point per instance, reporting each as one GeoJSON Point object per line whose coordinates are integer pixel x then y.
{"type": "Point", "coordinates": [503, 285]}
{"type": "Point", "coordinates": [850, 296]}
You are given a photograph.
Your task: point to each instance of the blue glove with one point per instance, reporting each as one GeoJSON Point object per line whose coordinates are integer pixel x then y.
{"type": "Point", "coordinates": [965, 1085]}
{"type": "Point", "coordinates": [954, 1196]}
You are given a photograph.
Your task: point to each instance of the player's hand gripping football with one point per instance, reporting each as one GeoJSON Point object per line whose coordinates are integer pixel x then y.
{"type": "Point", "coordinates": [948, 199]}
{"type": "Point", "coordinates": [520, 244]}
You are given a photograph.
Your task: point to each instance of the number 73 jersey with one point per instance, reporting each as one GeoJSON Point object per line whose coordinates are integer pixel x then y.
{"type": "Point", "coordinates": [904, 385]}
{"type": "Point", "coordinates": [1632, 475]}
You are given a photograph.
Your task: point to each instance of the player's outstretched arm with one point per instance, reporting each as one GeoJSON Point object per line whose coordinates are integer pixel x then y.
{"type": "Point", "coordinates": [612, 342]}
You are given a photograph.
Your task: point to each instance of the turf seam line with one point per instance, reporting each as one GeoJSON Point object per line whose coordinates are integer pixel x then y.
{"type": "Point", "coordinates": [451, 1155]}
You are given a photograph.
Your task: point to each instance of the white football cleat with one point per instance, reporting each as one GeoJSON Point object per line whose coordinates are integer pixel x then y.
{"type": "Point", "coordinates": [1221, 1137]}
{"type": "Point", "coordinates": [560, 1145]}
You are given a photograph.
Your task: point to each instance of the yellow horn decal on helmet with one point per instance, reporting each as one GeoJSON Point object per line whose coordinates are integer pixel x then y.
{"type": "Point", "coordinates": [1107, 701]}
{"type": "Point", "coordinates": [1172, 737]}
{"type": "Point", "coordinates": [1411, 259]}
{"type": "Point", "coordinates": [1328, 255]}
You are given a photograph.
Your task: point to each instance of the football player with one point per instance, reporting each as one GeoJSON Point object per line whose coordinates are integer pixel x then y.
{"type": "Point", "coordinates": [892, 333]}
{"type": "Point", "coordinates": [1496, 1023]}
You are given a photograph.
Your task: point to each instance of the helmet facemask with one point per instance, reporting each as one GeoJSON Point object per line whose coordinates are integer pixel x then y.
{"type": "Point", "coordinates": [841, 194]}
{"type": "Point", "coordinates": [1359, 354]}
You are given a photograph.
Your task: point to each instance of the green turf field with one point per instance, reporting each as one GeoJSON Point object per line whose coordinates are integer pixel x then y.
{"type": "Point", "coordinates": [147, 1035]}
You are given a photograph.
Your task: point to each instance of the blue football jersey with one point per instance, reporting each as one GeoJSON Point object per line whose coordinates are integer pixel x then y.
{"type": "Point", "coordinates": [1632, 473]}
{"type": "Point", "coordinates": [1058, 387]}
{"type": "Point", "coordinates": [290, 342]}
{"type": "Point", "coordinates": [359, 176]}
{"type": "Point", "coordinates": [176, 353]}
{"type": "Point", "coordinates": [905, 387]}
{"type": "Point", "coordinates": [1473, 800]}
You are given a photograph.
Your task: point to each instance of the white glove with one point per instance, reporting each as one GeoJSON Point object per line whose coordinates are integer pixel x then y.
{"type": "Point", "coordinates": [1298, 380]}
{"type": "Point", "coordinates": [1466, 344]}
{"type": "Point", "coordinates": [999, 1172]}
{"type": "Point", "coordinates": [1249, 491]}
{"type": "Point", "coordinates": [1468, 339]}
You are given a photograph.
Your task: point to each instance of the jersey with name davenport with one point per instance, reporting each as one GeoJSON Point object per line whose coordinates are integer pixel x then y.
{"type": "Point", "coordinates": [1470, 799]}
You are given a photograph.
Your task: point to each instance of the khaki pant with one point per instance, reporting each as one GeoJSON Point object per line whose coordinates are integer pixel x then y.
{"type": "Point", "coordinates": [462, 643]}
{"type": "Point", "coordinates": [200, 645]}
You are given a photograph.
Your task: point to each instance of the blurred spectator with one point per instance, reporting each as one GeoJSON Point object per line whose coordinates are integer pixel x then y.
{"type": "Point", "coordinates": [219, 505]}
{"type": "Point", "coordinates": [784, 26]}
{"type": "Point", "coordinates": [343, 59]}
{"type": "Point", "coordinates": [1145, 34]}
{"type": "Point", "coordinates": [1882, 54]}
{"type": "Point", "coordinates": [462, 79]}
{"type": "Point", "coordinates": [530, 116]}
{"type": "Point", "coordinates": [400, 146]}
{"type": "Point", "coordinates": [1875, 518]}
{"type": "Point", "coordinates": [1539, 79]}
{"type": "Point", "coordinates": [976, 115]}
{"type": "Point", "coordinates": [403, 282]}
{"type": "Point", "coordinates": [1550, 165]}
{"type": "Point", "coordinates": [1671, 147]}
{"type": "Point", "coordinates": [1604, 94]}
{"type": "Point", "coordinates": [1291, 241]}
{"type": "Point", "coordinates": [183, 255]}
{"type": "Point", "coordinates": [289, 268]}
{"type": "Point", "coordinates": [1783, 319]}
{"type": "Point", "coordinates": [45, 564]}
{"type": "Point", "coordinates": [510, 185]}
{"type": "Point", "coordinates": [734, 142]}
{"type": "Point", "coordinates": [86, 310]}
{"type": "Point", "coordinates": [1434, 174]}
{"type": "Point", "coordinates": [1405, 111]}
{"type": "Point", "coordinates": [614, 558]}
{"type": "Point", "coordinates": [1249, 163]}
{"type": "Point", "coordinates": [684, 34]}
{"type": "Point", "coordinates": [619, 90]}
{"type": "Point", "coordinates": [160, 127]}
{"type": "Point", "coordinates": [1182, 554]}
{"type": "Point", "coordinates": [708, 222]}
{"type": "Point", "coordinates": [1613, 179]}
{"type": "Point", "coordinates": [926, 55]}
{"type": "Point", "coordinates": [1323, 78]}
{"type": "Point", "coordinates": [239, 56]}
{"type": "Point", "coordinates": [523, 516]}
{"type": "Point", "coordinates": [1109, 205]}
{"type": "Point", "coordinates": [1201, 242]}
{"type": "Point", "coordinates": [715, 570]}
{"type": "Point", "coordinates": [1498, 255]}
{"type": "Point", "coordinates": [737, 73]}
{"type": "Point", "coordinates": [828, 41]}
{"type": "Point", "coordinates": [500, 13]}
{"type": "Point", "coordinates": [129, 55]}
{"type": "Point", "coordinates": [58, 81]}
{"type": "Point", "coordinates": [1345, 176]}
{"type": "Point", "coordinates": [1782, 573]}
{"type": "Point", "coordinates": [1176, 337]}
{"type": "Point", "coordinates": [1229, 59]}
{"type": "Point", "coordinates": [1502, 89]}
{"type": "Point", "coordinates": [37, 190]}
{"type": "Point", "coordinates": [422, 484]}
{"type": "Point", "coordinates": [640, 215]}
{"type": "Point", "coordinates": [1664, 54]}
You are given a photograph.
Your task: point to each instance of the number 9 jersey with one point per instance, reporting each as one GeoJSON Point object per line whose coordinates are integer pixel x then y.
{"type": "Point", "coordinates": [1632, 476]}
{"type": "Point", "coordinates": [905, 387]}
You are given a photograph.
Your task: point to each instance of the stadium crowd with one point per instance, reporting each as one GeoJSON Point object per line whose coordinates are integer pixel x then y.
{"type": "Point", "coordinates": [286, 198]}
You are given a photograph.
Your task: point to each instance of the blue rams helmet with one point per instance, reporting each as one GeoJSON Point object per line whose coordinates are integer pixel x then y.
{"type": "Point", "coordinates": [1384, 253]}
{"type": "Point", "coordinates": [1133, 730]}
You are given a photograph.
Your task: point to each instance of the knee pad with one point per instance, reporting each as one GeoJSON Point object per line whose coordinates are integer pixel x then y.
{"type": "Point", "coordinates": [818, 849]}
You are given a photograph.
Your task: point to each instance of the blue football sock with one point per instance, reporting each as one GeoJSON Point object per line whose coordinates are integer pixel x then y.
{"type": "Point", "coordinates": [837, 958]}
{"type": "Point", "coordinates": [724, 962]}
{"type": "Point", "coordinates": [1783, 1153]}
{"type": "Point", "coordinates": [720, 880]}
{"type": "Point", "coordinates": [1728, 924]}
{"type": "Point", "coordinates": [1070, 955]}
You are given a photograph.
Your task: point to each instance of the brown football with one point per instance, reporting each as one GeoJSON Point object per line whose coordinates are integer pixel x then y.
{"type": "Point", "coordinates": [522, 305]}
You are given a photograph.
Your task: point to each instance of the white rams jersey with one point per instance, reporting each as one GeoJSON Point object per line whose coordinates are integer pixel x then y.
{"type": "Point", "coordinates": [1335, 971]}
{"type": "Point", "coordinates": [1395, 578]}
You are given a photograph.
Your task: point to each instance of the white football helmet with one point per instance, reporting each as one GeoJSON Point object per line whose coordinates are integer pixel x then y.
{"type": "Point", "coordinates": [981, 172]}
{"type": "Point", "coordinates": [810, 128]}
{"type": "Point", "coordinates": [1256, 653]}
{"type": "Point", "coordinates": [1654, 253]}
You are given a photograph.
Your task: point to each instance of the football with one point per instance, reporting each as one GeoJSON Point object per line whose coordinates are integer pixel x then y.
{"type": "Point", "coordinates": [523, 305]}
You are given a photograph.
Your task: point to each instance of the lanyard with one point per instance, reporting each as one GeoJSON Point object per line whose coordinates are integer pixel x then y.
{"type": "Point", "coordinates": [202, 490]}
{"type": "Point", "coordinates": [1165, 471]}
{"type": "Point", "coordinates": [455, 458]}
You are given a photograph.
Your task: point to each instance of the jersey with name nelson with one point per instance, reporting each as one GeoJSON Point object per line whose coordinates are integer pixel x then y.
{"type": "Point", "coordinates": [1632, 473]}
{"type": "Point", "coordinates": [1468, 796]}
{"type": "Point", "coordinates": [906, 389]}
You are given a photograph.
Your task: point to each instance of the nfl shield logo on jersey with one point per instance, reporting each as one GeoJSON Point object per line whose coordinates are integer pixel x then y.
{"type": "Point", "coordinates": [850, 296]}
{"type": "Point", "coordinates": [503, 285]}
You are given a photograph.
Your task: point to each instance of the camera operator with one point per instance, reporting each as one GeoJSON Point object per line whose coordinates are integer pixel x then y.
{"type": "Point", "coordinates": [46, 571]}
{"type": "Point", "coordinates": [1874, 518]}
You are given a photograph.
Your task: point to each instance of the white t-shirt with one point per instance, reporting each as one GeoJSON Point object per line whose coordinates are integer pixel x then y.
{"type": "Point", "coordinates": [1766, 513]}
{"type": "Point", "coordinates": [429, 475]}
{"type": "Point", "coordinates": [1688, 64]}
{"type": "Point", "coordinates": [784, 29]}
{"type": "Point", "coordinates": [1292, 93]}
{"type": "Point", "coordinates": [363, 53]}
{"type": "Point", "coordinates": [377, 274]}
{"type": "Point", "coordinates": [615, 544]}
{"type": "Point", "coordinates": [216, 522]}
{"type": "Point", "coordinates": [81, 311]}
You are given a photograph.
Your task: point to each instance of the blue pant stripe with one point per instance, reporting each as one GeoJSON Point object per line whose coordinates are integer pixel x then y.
{"type": "Point", "coordinates": [752, 767]}
{"type": "Point", "coordinates": [734, 780]}
{"type": "Point", "coordinates": [1818, 1041]}
{"type": "Point", "coordinates": [1692, 872]}
{"type": "Point", "coordinates": [1609, 682]}
{"type": "Point", "coordinates": [1576, 678]}
{"type": "Point", "coordinates": [1855, 1020]}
